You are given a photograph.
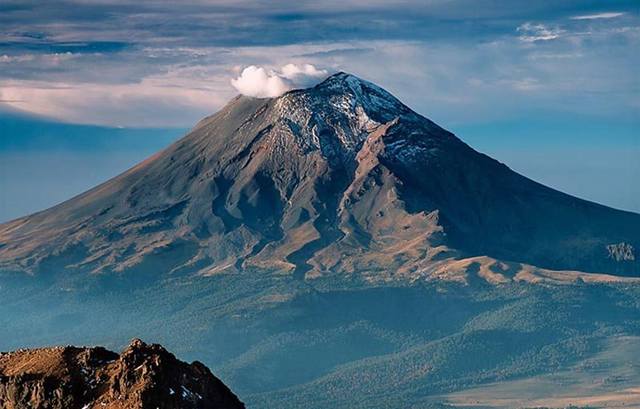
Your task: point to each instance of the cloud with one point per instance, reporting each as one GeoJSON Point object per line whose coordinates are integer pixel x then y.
{"type": "Point", "coordinates": [261, 83]}
{"type": "Point", "coordinates": [53, 59]}
{"type": "Point", "coordinates": [171, 64]}
{"type": "Point", "coordinates": [149, 103]}
{"type": "Point", "coordinates": [257, 82]}
{"type": "Point", "coordinates": [305, 75]}
{"type": "Point", "coordinates": [538, 32]}
{"type": "Point", "coordinates": [598, 16]}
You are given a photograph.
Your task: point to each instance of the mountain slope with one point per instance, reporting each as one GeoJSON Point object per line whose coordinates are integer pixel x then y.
{"type": "Point", "coordinates": [339, 178]}
{"type": "Point", "coordinates": [329, 247]}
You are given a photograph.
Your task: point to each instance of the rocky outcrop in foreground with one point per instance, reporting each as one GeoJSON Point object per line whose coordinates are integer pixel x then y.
{"type": "Point", "coordinates": [142, 376]}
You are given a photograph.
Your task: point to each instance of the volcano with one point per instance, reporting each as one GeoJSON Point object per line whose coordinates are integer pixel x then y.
{"type": "Point", "coordinates": [333, 248]}
{"type": "Point", "coordinates": [341, 178]}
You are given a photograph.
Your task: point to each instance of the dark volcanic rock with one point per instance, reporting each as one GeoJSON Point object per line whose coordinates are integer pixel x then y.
{"type": "Point", "coordinates": [142, 376]}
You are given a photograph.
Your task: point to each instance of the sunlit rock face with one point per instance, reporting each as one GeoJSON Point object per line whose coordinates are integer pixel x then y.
{"type": "Point", "coordinates": [142, 376]}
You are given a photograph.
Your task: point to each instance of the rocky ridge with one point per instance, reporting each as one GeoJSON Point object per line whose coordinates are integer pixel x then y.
{"type": "Point", "coordinates": [142, 376]}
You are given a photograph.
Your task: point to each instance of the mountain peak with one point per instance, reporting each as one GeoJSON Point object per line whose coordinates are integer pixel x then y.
{"type": "Point", "coordinates": [348, 80]}
{"type": "Point", "coordinates": [342, 77]}
{"type": "Point", "coordinates": [319, 181]}
{"type": "Point", "coordinates": [366, 94]}
{"type": "Point", "coordinates": [350, 106]}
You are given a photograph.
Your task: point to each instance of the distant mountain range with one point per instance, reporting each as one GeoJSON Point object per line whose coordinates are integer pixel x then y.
{"type": "Point", "coordinates": [329, 247]}
{"type": "Point", "coordinates": [44, 162]}
{"type": "Point", "coordinates": [22, 131]}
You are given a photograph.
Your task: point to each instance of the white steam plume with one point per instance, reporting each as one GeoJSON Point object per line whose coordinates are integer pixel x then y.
{"type": "Point", "coordinates": [258, 82]}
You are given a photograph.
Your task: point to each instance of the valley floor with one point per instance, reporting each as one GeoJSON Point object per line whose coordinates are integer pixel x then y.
{"type": "Point", "coordinates": [284, 343]}
{"type": "Point", "coordinates": [607, 380]}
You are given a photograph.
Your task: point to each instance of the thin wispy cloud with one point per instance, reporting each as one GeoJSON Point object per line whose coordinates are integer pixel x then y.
{"type": "Point", "coordinates": [530, 32]}
{"type": "Point", "coordinates": [598, 16]}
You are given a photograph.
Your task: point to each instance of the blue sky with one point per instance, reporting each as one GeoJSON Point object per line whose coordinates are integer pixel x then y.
{"type": "Point", "coordinates": [549, 87]}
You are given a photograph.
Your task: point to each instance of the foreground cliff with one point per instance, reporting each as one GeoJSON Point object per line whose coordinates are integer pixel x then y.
{"type": "Point", "coordinates": [142, 376]}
